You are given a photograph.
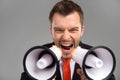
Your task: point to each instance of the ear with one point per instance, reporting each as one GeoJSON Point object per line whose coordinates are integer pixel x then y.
{"type": "Point", "coordinates": [51, 29]}
{"type": "Point", "coordinates": [82, 30]}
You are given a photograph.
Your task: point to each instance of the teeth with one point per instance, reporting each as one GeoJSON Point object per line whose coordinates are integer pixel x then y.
{"type": "Point", "coordinates": [66, 44]}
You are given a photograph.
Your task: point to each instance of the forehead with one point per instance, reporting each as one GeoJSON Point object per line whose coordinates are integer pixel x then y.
{"type": "Point", "coordinates": [72, 19]}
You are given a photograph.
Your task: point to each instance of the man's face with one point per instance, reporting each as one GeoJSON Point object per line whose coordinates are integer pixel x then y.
{"type": "Point", "coordinates": [66, 32]}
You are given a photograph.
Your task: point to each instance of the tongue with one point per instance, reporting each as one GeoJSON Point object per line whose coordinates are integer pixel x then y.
{"type": "Point", "coordinates": [66, 47]}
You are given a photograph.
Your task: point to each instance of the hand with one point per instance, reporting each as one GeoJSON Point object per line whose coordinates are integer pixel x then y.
{"type": "Point", "coordinates": [54, 78]}
{"type": "Point", "coordinates": [81, 73]}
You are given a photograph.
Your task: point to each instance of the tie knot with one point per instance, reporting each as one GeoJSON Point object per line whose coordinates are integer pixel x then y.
{"type": "Point", "coordinates": [66, 60]}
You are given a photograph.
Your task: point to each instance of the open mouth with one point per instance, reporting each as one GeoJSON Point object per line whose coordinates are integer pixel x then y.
{"type": "Point", "coordinates": [66, 46]}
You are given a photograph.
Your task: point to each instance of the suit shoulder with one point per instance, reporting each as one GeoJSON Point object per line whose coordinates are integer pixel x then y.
{"type": "Point", "coordinates": [48, 45]}
{"type": "Point", "coordinates": [86, 46]}
{"type": "Point", "coordinates": [24, 76]}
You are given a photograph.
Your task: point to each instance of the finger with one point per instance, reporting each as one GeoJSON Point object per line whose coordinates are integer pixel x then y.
{"type": "Point", "coordinates": [82, 75]}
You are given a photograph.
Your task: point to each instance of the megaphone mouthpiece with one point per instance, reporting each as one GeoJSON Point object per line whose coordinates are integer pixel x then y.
{"type": "Point", "coordinates": [93, 61]}
{"type": "Point", "coordinates": [44, 61]}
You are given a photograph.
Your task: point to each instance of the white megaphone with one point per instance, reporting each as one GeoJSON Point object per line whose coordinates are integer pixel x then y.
{"type": "Point", "coordinates": [41, 62]}
{"type": "Point", "coordinates": [98, 63]}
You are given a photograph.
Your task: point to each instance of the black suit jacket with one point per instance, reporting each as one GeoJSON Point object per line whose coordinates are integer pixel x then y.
{"type": "Point", "coordinates": [25, 76]}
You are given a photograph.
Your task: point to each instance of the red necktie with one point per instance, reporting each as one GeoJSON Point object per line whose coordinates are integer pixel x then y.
{"type": "Point", "coordinates": [66, 69]}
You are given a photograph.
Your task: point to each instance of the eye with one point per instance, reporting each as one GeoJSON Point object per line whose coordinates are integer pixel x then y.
{"type": "Point", "coordinates": [58, 30]}
{"type": "Point", "coordinates": [74, 30]}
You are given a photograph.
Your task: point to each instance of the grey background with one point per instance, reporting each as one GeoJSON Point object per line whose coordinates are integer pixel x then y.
{"type": "Point", "coordinates": [24, 24]}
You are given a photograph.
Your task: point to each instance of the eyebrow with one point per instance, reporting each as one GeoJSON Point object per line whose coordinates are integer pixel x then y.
{"type": "Point", "coordinates": [57, 28]}
{"type": "Point", "coordinates": [70, 27]}
{"type": "Point", "coordinates": [74, 27]}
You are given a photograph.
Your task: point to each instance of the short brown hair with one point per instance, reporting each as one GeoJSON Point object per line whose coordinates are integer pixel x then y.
{"type": "Point", "coordinates": [66, 7]}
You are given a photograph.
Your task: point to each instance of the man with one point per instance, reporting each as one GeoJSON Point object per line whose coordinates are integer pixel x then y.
{"type": "Point", "coordinates": [67, 28]}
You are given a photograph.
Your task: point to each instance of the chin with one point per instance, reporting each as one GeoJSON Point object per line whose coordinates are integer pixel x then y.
{"type": "Point", "coordinates": [67, 56]}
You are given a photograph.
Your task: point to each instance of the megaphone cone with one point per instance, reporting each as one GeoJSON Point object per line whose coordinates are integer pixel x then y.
{"type": "Point", "coordinates": [98, 63]}
{"type": "Point", "coordinates": [41, 62]}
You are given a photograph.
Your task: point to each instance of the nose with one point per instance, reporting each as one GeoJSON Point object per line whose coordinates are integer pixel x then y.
{"type": "Point", "coordinates": [66, 36]}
